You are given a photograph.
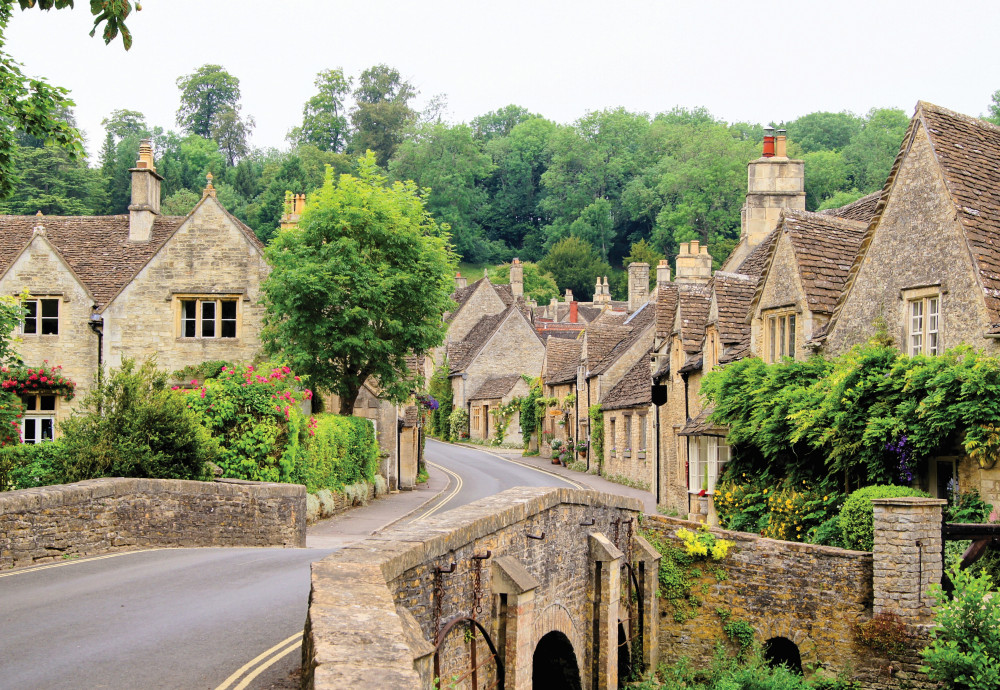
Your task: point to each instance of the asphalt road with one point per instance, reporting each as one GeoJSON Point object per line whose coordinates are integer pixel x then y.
{"type": "Point", "coordinates": [190, 618]}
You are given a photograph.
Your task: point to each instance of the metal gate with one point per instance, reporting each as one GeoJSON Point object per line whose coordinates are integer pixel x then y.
{"type": "Point", "coordinates": [630, 667]}
{"type": "Point", "coordinates": [982, 536]}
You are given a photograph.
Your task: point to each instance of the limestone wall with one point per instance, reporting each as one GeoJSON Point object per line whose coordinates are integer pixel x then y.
{"type": "Point", "coordinates": [115, 514]}
{"type": "Point", "coordinates": [382, 602]}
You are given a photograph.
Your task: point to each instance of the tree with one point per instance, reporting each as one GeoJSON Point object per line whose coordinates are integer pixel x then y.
{"type": "Point", "coordinates": [994, 115]}
{"type": "Point", "coordinates": [575, 266]}
{"type": "Point", "coordinates": [324, 116]}
{"type": "Point", "coordinates": [204, 94]}
{"type": "Point", "coordinates": [823, 131]}
{"type": "Point", "coordinates": [231, 132]}
{"type": "Point", "coordinates": [121, 124]}
{"type": "Point", "coordinates": [870, 155]}
{"type": "Point", "coordinates": [538, 285]}
{"type": "Point", "coordinates": [358, 286]}
{"type": "Point", "coordinates": [381, 112]}
{"type": "Point", "coordinates": [33, 106]}
{"type": "Point", "coordinates": [826, 174]}
{"type": "Point", "coordinates": [642, 252]}
{"type": "Point", "coordinates": [55, 183]}
{"type": "Point", "coordinates": [500, 123]}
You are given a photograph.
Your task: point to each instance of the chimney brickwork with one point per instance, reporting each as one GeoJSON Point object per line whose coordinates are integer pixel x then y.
{"type": "Point", "coordinates": [517, 278]}
{"type": "Point", "coordinates": [145, 204]}
{"type": "Point", "coordinates": [694, 263]}
{"type": "Point", "coordinates": [774, 182]}
{"type": "Point", "coordinates": [662, 273]}
{"type": "Point", "coordinates": [460, 282]}
{"type": "Point", "coordinates": [638, 285]}
{"type": "Point", "coordinates": [295, 204]}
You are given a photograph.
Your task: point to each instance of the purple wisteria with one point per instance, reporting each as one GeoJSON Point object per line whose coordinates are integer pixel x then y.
{"type": "Point", "coordinates": [905, 453]}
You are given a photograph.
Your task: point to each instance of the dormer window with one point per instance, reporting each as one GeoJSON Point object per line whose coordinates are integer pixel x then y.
{"type": "Point", "coordinates": [923, 321]}
{"type": "Point", "coordinates": [779, 336]}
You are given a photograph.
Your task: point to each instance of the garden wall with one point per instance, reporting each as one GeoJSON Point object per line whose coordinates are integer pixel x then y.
{"type": "Point", "coordinates": [116, 514]}
{"type": "Point", "coordinates": [808, 594]}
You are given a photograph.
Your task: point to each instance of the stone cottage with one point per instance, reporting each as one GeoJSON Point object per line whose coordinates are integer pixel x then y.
{"type": "Point", "coordinates": [103, 288]}
{"type": "Point", "coordinates": [494, 415]}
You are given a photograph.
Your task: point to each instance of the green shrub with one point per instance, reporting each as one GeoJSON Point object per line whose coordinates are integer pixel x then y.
{"type": "Point", "coordinates": [964, 651]}
{"type": "Point", "coordinates": [255, 414]}
{"type": "Point", "coordinates": [27, 465]}
{"type": "Point", "coordinates": [341, 452]}
{"type": "Point", "coordinates": [458, 424]}
{"type": "Point", "coordinates": [856, 515]}
{"type": "Point", "coordinates": [131, 425]}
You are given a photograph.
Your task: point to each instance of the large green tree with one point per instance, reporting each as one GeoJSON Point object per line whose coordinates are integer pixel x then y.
{"type": "Point", "coordinates": [381, 112]}
{"type": "Point", "coordinates": [823, 131]}
{"type": "Point", "coordinates": [35, 107]}
{"type": "Point", "coordinates": [359, 285]}
{"type": "Point", "coordinates": [870, 154]}
{"type": "Point", "coordinates": [575, 266]}
{"type": "Point", "coordinates": [204, 93]}
{"type": "Point", "coordinates": [324, 116]}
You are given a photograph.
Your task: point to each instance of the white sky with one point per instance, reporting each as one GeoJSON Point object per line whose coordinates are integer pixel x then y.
{"type": "Point", "coordinates": [748, 61]}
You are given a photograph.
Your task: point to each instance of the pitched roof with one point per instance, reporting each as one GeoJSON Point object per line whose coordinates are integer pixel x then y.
{"type": "Point", "coordinates": [95, 247]}
{"type": "Point", "coordinates": [700, 426]}
{"type": "Point", "coordinates": [755, 262]}
{"type": "Point", "coordinates": [633, 390]}
{"type": "Point", "coordinates": [825, 248]}
{"type": "Point", "coordinates": [462, 295]}
{"type": "Point", "coordinates": [733, 294]}
{"type": "Point", "coordinates": [637, 323]}
{"type": "Point", "coordinates": [562, 358]}
{"type": "Point", "coordinates": [496, 387]}
{"type": "Point", "coordinates": [461, 354]}
{"type": "Point", "coordinates": [861, 210]}
{"type": "Point", "coordinates": [968, 153]}
{"type": "Point", "coordinates": [666, 306]}
{"type": "Point", "coordinates": [693, 304]}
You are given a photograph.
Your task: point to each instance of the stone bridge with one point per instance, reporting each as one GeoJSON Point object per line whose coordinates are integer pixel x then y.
{"type": "Point", "coordinates": [538, 587]}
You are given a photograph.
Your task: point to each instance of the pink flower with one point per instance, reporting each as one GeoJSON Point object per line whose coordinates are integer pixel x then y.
{"type": "Point", "coordinates": [194, 382]}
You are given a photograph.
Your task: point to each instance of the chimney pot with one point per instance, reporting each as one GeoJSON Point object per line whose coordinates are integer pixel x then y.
{"type": "Point", "coordinates": [780, 146]}
{"type": "Point", "coordinates": [573, 311]}
{"type": "Point", "coordinates": [145, 201]}
{"type": "Point", "coordinates": [768, 142]}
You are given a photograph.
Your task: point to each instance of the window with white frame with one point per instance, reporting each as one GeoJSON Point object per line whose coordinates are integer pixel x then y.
{"type": "Point", "coordinates": [41, 316]}
{"type": "Point", "coordinates": [923, 324]}
{"type": "Point", "coordinates": [707, 457]}
{"type": "Point", "coordinates": [39, 421]}
{"type": "Point", "coordinates": [208, 317]}
{"type": "Point", "coordinates": [780, 336]}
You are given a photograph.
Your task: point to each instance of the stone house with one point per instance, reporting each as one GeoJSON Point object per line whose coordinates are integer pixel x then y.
{"type": "Point", "coordinates": [487, 406]}
{"type": "Point", "coordinates": [104, 288]}
{"type": "Point", "coordinates": [561, 373]}
{"type": "Point", "coordinates": [629, 439]}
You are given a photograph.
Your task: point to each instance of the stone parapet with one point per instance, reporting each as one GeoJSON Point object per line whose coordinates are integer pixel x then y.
{"type": "Point", "coordinates": [119, 514]}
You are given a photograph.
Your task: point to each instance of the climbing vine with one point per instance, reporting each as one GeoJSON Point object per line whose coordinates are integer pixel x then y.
{"type": "Point", "coordinates": [503, 413]}
{"type": "Point", "coordinates": [440, 389]}
{"type": "Point", "coordinates": [597, 434]}
{"type": "Point", "coordinates": [683, 575]}
{"type": "Point", "coordinates": [530, 420]}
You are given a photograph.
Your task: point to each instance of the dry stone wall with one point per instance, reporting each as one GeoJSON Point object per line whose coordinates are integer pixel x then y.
{"type": "Point", "coordinates": [116, 514]}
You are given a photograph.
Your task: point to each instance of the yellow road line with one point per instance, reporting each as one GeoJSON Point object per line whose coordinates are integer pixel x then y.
{"type": "Point", "coordinates": [267, 664]}
{"type": "Point", "coordinates": [72, 562]}
{"type": "Point", "coordinates": [458, 487]}
{"type": "Point", "coordinates": [532, 467]}
{"type": "Point", "coordinates": [295, 639]}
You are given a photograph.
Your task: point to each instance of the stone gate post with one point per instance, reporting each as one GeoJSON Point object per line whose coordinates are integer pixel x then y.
{"type": "Point", "coordinates": [907, 555]}
{"type": "Point", "coordinates": [648, 574]}
{"type": "Point", "coordinates": [606, 565]}
{"type": "Point", "coordinates": [514, 588]}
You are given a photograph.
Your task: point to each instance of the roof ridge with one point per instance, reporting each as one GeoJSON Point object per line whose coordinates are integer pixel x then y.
{"type": "Point", "coordinates": [828, 219]}
{"type": "Point", "coordinates": [968, 119]}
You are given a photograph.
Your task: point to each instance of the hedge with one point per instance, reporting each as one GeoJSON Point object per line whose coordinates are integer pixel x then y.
{"type": "Point", "coordinates": [857, 514]}
{"type": "Point", "coordinates": [342, 451]}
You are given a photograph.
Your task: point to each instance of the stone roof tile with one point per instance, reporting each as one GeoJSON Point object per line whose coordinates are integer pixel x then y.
{"type": "Point", "coordinates": [496, 387]}
{"type": "Point", "coordinates": [562, 358]}
{"type": "Point", "coordinates": [693, 303]}
{"type": "Point", "coordinates": [633, 390]}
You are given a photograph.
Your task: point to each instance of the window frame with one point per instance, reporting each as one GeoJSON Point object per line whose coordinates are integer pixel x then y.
{"type": "Point", "coordinates": [39, 319]}
{"type": "Point", "coordinates": [36, 414]}
{"type": "Point", "coordinates": [781, 328]}
{"type": "Point", "coordinates": [702, 450]}
{"type": "Point", "coordinates": [219, 320]}
{"type": "Point", "coordinates": [928, 340]}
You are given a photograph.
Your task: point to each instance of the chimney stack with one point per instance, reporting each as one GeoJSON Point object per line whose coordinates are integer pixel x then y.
{"type": "Point", "coordinates": [638, 285]}
{"type": "Point", "coordinates": [662, 273]}
{"type": "Point", "coordinates": [568, 297]}
{"type": "Point", "coordinates": [780, 143]}
{"type": "Point", "coordinates": [602, 293]}
{"type": "Point", "coordinates": [554, 309]}
{"type": "Point", "coordinates": [295, 204]}
{"type": "Point", "coordinates": [145, 204]}
{"type": "Point", "coordinates": [460, 282]}
{"type": "Point", "coordinates": [517, 278]}
{"type": "Point", "coordinates": [694, 263]}
{"type": "Point", "coordinates": [574, 311]}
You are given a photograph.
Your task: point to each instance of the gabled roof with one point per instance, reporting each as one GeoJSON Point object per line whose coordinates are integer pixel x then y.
{"type": "Point", "coordinates": [825, 247]}
{"type": "Point", "coordinates": [634, 388]}
{"type": "Point", "coordinates": [95, 247]}
{"type": "Point", "coordinates": [693, 304]}
{"type": "Point", "coordinates": [861, 210]}
{"type": "Point", "coordinates": [968, 153]}
{"type": "Point", "coordinates": [496, 387]}
{"type": "Point", "coordinates": [700, 426]}
{"type": "Point", "coordinates": [462, 295]}
{"type": "Point", "coordinates": [461, 354]}
{"type": "Point", "coordinates": [755, 262]}
{"type": "Point", "coordinates": [733, 295]}
{"type": "Point", "coordinates": [562, 358]}
{"type": "Point", "coordinates": [666, 307]}
{"type": "Point", "coordinates": [637, 323]}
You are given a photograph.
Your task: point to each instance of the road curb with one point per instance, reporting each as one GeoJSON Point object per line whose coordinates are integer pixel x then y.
{"type": "Point", "coordinates": [417, 509]}
{"type": "Point", "coordinates": [583, 485]}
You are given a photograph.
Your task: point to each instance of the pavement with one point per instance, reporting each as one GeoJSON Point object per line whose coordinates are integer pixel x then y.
{"type": "Point", "coordinates": [590, 481]}
{"type": "Point", "coordinates": [359, 523]}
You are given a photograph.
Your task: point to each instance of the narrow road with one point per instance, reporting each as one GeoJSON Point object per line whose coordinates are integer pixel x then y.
{"type": "Point", "coordinates": [220, 619]}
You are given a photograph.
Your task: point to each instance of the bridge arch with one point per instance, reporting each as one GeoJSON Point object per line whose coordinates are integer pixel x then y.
{"type": "Point", "coordinates": [556, 618]}
{"type": "Point", "coordinates": [554, 663]}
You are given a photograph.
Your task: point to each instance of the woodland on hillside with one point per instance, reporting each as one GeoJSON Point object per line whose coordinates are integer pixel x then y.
{"type": "Point", "coordinates": [509, 183]}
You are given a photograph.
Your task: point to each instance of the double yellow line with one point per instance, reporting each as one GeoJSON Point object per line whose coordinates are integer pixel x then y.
{"type": "Point", "coordinates": [72, 561]}
{"type": "Point", "coordinates": [458, 487]}
{"type": "Point", "coordinates": [261, 663]}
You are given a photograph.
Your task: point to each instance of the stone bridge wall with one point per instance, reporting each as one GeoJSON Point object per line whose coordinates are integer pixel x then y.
{"type": "Point", "coordinates": [116, 514]}
{"type": "Point", "coordinates": [374, 616]}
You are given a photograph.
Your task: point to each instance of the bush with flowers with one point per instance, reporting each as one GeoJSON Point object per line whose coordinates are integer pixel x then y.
{"type": "Point", "coordinates": [255, 413]}
{"type": "Point", "coordinates": [703, 544]}
{"type": "Point", "coordinates": [17, 380]}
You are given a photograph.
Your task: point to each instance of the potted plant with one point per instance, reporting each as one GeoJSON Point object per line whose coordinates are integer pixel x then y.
{"type": "Point", "coordinates": [555, 444]}
{"type": "Point", "coordinates": [582, 447]}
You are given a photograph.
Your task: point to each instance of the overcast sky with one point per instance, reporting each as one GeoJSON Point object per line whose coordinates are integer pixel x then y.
{"type": "Point", "coordinates": [746, 61]}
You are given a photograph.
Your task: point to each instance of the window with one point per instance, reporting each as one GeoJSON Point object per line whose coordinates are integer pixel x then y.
{"type": "Point", "coordinates": [208, 318]}
{"type": "Point", "coordinates": [39, 420]}
{"type": "Point", "coordinates": [707, 457]}
{"type": "Point", "coordinates": [780, 336]}
{"type": "Point", "coordinates": [476, 416]}
{"type": "Point", "coordinates": [41, 317]}
{"type": "Point", "coordinates": [923, 320]}
{"type": "Point", "coordinates": [628, 433]}
{"type": "Point", "coordinates": [642, 432]}
{"type": "Point", "coordinates": [614, 439]}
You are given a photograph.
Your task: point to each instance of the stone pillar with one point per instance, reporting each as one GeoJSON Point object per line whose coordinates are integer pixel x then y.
{"type": "Point", "coordinates": [517, 278]}
{"type": "Point", "coordinates": [638, 285]}
{"type": "Point", "coordinates": [605, 583]}
{"type": "Point", "coordinates": [907, 555]}
{"type": "Point", "coordinates": [648, 572]}
{"type": "Point", "coordinates": [512, 582]}
{"type": "Point", "coordinates": [694, 263]}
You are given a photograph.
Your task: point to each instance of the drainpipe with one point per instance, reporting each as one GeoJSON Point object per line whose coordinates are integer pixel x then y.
{"type": "Point", "coordinates": [97, 326]}
{"type": "Point", "coordinates": [687, 410]}
{"type": "Point", "coordinates": [590, 424]}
